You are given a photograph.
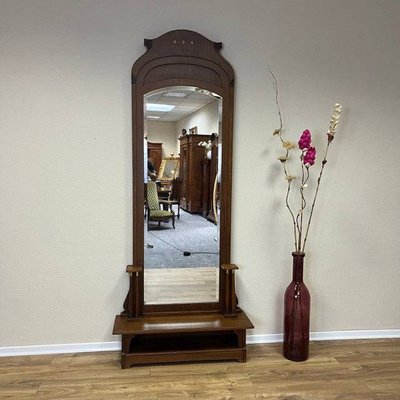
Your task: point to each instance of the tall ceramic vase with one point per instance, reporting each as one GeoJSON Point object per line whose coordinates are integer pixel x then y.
{"type": "Point", "coordinates": [297, 314]}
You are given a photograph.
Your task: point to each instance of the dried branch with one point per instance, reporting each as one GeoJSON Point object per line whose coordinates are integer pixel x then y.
{"type": "Point", "coordinates": [324, 161]}
{"type": "Point", "coordinates": [288, 147]}
{"type": "Point", "coordinates": [307, 158]}
{"type": "Point", "coordinates": [291, 212]}
{"type": "Point", "coordinates": [331, 134]}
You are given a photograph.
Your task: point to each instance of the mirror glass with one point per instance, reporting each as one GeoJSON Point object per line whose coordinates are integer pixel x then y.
{"type": "Point", "coordinates": [169, 168]}
{"type": "Point", "coordinates": [182, 153]}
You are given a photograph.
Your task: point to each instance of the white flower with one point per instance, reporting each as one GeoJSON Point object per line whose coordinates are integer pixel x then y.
{"type": "Point", "coordinates": [335, 119]}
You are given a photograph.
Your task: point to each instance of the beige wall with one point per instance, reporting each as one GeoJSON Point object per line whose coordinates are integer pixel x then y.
{"type": "Point", "coordinates": [65, 157]}
{"type": "Point", "coordinates": [165, 133]}
{"type": "Point", "coordinates": [206, 119]}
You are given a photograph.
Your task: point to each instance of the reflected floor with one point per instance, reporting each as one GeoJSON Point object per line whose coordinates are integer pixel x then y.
{"type": "Point", "coordinates": [180, 285]}
{"type": "Point", "coordinates": [192, 233]}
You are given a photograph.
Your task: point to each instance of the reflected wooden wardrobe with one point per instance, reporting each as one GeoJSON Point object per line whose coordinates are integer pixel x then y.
{"type": "Point", "coordinates": [154, 332]}
{"type": "Point", "coordinates": [192, 157]}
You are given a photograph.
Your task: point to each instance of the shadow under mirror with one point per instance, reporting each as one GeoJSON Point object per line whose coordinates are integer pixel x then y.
{"type": "Point", "coordinates": [182, 153]}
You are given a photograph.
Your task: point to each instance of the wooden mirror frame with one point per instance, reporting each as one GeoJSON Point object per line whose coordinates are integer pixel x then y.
{"type": "Point", "coordinates": [181, 58]}
{"type": "Point", "coordinates": [153, 333]}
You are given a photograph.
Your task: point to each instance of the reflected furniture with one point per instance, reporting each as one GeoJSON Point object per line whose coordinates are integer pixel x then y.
{"type": "Point", "coordinates": [174, 198]}
{"type": "Point", "coordinates": [154, 154]}
{"type": "Point", "coordinates": [163, 191]}
{"type": "Point", "coordinates": [192, 158]}
{"type": "Point", "coordinates": [169, 170]}
{"type": "Point", "coordinates": [153, 207]}
{"type": "Point", "coordinates": [153, 333]}
{"type": "Point", "coordinates": [210, 170]}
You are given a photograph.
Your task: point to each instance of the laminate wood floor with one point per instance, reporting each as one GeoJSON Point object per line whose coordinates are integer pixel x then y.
{"type": "Point", "coordinates": [362, 369]}
{"type": "Point", "coordinates": [181, 285]}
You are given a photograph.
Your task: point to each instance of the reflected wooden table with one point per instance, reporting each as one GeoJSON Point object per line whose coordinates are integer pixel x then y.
{"type": "Point", "coordinates": [163, 194]}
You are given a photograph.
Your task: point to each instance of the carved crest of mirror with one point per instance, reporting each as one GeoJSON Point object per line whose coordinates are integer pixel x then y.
{"type": "Point", "coordinates": [181, 303]}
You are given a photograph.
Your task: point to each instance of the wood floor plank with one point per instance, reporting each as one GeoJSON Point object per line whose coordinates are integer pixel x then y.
{"type": "Point", "coordinates": [342, 370]}
{"type": "Point", "coordinates": [180, 285]}
{"type": "Point", "coordinates": [20, 377]}
{"type": "Point", "coordinates": [18, 392]}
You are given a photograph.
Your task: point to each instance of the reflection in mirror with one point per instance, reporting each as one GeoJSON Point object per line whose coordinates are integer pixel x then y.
{"type": "Point", "coordinates": [169, 168]}
{"type": "Point", "coordinates": [181, 255]}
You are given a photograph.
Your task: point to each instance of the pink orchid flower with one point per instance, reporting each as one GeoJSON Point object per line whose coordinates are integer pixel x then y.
{"type": "Point", "coordinates": [305, 140]}
{"type": "Point", "coordinates": [309, 156]}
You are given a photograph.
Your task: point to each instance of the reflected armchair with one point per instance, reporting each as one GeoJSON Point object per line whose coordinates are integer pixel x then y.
{"type": "Point", "coordinates": [153, 207]}
{"type": "Point", "coordinates": [174, 197]}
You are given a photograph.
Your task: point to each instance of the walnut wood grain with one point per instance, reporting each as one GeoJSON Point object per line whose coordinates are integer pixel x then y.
{"type": "Point", "coordinates": [178, 323]}
{"type": "Point", "coordinates": [181, 58]}
{"type": "Point", "coordinates": [192, 172]}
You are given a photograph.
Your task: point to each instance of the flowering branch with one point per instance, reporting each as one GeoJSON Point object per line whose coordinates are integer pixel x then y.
{"type": "Point", "coordinates": [303, 201]}
{"type": "Point", "coordinates": [307, 159]}
{"type": "Point", "coordinates": [331, 134]}
{"type": "Point", "coordinates": [287, 146]}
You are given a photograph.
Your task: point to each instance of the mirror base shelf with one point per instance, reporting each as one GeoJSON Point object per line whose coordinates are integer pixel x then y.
{"type": "Point", "coordinates": [181, 338]}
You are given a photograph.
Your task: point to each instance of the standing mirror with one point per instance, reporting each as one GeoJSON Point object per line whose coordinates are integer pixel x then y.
{"type": "Point", "coordinates": [169, 169]}
{"type": "Point", "coordinates": [181, 260]}
{"type": "Point", "coordinates": [181, 304]}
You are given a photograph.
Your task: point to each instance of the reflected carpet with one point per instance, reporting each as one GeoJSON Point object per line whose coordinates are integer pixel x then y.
{"type": "Point", "coordinates": [165, 246]}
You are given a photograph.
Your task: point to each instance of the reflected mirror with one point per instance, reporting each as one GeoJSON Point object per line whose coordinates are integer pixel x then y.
{"type": "Point", "coordinates": [182, 185]}
{"type": "Point", "coordinates": [169, 169]}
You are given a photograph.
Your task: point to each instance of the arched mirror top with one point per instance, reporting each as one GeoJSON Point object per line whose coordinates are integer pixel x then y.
{"type": "Point", "coordinates": [177, 59]}
{"type": "Point", "coordinates": [169, 57]}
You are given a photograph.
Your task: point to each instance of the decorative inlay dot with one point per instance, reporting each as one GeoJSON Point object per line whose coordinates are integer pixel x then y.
{"type": "Point", "coordinates": [183, 42]}
{"type": "Point", "coordinates": [175, 41]}
{"type": "Point", "coordinates": [192, 42]}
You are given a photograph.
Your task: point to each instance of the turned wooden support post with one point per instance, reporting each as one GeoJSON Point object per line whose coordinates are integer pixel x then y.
{"type": "Point", "coordinates": [230, 293]}
{"type": "Point", "coordinates": [133, 295]}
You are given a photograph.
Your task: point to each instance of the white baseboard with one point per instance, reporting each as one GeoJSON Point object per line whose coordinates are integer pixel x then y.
{"type": "Point", "coordinates": [59, 348]}
{"type": "Point", "coordinates": [333, 335]}
{"type": "Point", "coordinates": [251, 339]}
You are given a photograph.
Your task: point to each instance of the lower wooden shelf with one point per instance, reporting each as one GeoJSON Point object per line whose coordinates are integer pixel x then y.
{"type": "Point", "coordinates": [184, 337]}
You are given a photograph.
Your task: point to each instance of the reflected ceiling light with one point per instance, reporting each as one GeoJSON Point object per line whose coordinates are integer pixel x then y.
{"type": "Point", "coordinates": [159, 107]}
{"type": "Point", "coordinates": [175, 94]}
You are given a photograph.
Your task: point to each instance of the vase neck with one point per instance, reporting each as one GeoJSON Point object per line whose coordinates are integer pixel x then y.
{"type": "Point", "coordinates": [298, 259]}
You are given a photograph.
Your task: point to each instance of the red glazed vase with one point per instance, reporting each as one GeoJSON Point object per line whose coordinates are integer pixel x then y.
{"type": "Point", "coordinates": [297, 314]}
